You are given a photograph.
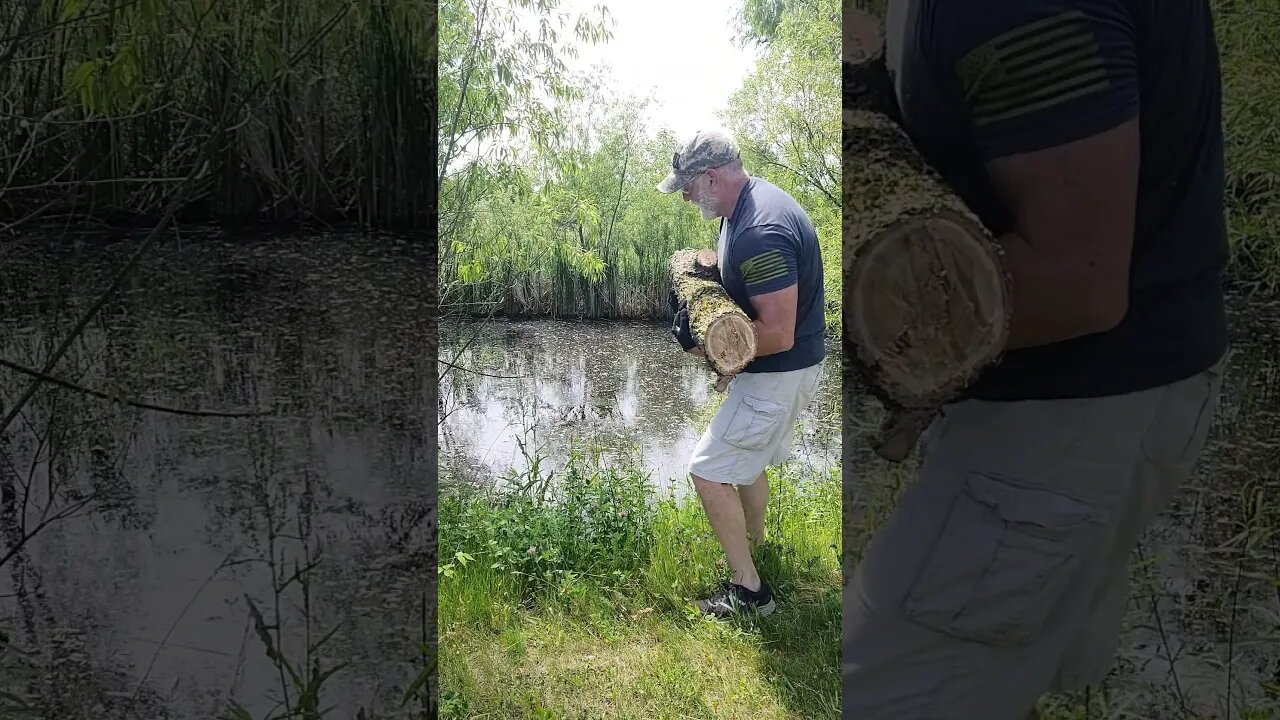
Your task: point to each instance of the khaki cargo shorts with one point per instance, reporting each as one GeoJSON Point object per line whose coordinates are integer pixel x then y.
{"type": "Point", "coordinates": [1003, 573]}
{"type": "Point", "coordinates": [755, 425]}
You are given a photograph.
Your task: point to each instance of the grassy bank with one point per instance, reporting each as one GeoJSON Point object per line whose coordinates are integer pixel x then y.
{"type": "Point", "coordinates": [107, 105]}
{"type": "Point", "coordinates": [573, 602]}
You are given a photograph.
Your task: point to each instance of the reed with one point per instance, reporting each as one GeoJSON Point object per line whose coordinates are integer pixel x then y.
{"type": "Point", "coordinates": [102, 104]}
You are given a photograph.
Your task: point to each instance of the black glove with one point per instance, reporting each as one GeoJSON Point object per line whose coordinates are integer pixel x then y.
{"type": "Point", "coordinates": [680, 328]}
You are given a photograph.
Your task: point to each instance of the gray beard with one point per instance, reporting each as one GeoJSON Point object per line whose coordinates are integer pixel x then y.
{"type": "Point", "coordinates": [708, 212]}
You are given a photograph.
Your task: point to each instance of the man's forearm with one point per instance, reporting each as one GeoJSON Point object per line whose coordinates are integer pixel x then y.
{"type": "Point", "coordinates": [1056, 299]}
{"type": "Point", "coordinates": [772, 340]}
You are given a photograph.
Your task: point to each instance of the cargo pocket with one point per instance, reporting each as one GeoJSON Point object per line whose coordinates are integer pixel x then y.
{"type": "Point", "coordinates": [753, 423]}
{"type": "Point", "coordinates": [1002, 561]}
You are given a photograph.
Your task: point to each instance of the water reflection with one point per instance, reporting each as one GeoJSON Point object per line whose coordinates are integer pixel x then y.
{"type": "Point", "coordinates": [530, 391]}
{"type": "Point", "coordinates": [138, 605]}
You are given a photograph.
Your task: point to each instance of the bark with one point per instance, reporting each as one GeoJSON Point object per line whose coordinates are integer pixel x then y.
{"type": "Point", "coordinates": [723, 330]}
{"type": "Point", "coordinates": [926, 296]}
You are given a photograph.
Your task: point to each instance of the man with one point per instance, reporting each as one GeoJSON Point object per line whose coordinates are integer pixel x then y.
{"type": "Point", "coordinates": [770, 265]}
{"type": "Point", "coordinates": [1087, 135]}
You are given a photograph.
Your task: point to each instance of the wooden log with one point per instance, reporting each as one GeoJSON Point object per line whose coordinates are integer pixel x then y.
{"type": "Point", "coordinates": [725, 333]}
{"type": "Point", "coordinates": [926, 295]}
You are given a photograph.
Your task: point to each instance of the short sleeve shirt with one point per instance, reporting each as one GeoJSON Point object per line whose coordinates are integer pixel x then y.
{"type": "Point", "coordinates": [980, 80]}
{"type": "Point", "coordinates": [770, 244]}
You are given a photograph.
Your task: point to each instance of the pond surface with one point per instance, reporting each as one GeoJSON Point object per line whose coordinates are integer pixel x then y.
{"type": "Point", "coordinates": [172, 534]}
{"type": "Point", "coordinates": [529, 392]}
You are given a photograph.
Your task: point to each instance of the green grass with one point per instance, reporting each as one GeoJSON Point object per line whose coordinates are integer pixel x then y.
{"type": "Point", "coordinates": [1251, 88]}
{"type": "Point", "coordinates": [578, 606]}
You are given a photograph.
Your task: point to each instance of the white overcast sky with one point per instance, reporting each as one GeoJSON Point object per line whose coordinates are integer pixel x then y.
{"type": "Point", "coordinates": [681, 49]}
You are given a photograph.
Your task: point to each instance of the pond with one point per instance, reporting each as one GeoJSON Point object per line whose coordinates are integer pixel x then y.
{"type": "Point", "coordinates": [171, 531]}
{"type": "Point", "coordinates": [516, 393]}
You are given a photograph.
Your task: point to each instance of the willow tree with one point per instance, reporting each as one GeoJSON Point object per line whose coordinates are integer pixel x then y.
{"type": "Point", "coordinates": [786, 113]}
{"type": "Point", "coordinates": [501, 72]}
{"type": "Point", "coordinates": [574, 225]}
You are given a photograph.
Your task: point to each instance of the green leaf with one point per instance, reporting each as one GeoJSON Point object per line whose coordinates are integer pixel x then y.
{"type": "Point", "coordinates": [83, 74]}
{"type": "Point", "coordinates": [70, 8]}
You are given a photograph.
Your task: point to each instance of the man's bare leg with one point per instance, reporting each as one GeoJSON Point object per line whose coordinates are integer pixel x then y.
{"type": "Point", "coordinates": [724, 512]}
{"type": "Point", "coordinates": [754, 499]}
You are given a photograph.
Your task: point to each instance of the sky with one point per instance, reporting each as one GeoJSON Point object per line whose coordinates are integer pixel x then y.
{"type": "Point", "coordinates": [681, 49]}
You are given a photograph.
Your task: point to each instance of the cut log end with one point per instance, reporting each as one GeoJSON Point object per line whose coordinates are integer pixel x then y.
{"type": "Point", "coordinates": [706, 264]}
{"type": "Point", "coordinates": [731, 343]}
{"type": "Point", "coordinates": [927, 307]}
{"type": "Point", "coordinates": [725, 332]}
{"type": "Point", "coordinates": [926, 297]}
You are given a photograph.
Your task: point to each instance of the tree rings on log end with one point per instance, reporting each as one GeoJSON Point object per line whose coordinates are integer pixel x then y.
{"type": "Point", "coordinates": [730, 343]}
{"type": "Point", "coordinates": [927, 307]}
{"type": "Point", "coordinates": [723, 330]}
{"type": "Point", "coordinates": [706, 264]}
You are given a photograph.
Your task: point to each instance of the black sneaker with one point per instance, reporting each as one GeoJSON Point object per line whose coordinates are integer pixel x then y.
{"type": "Point", "coordinates": [731, 598]}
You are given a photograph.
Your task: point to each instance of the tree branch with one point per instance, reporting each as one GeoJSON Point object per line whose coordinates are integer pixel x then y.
{"type": "Point", "coordinates": [477, 372]}
{"type": "Point", "coordinates": [131, 403]}
{"type": "Point", "coordinates": [804, 176]}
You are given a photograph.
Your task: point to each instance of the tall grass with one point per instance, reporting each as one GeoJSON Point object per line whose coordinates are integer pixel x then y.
{"type": "Point", "coordinates": [1247, 33]}
{"type": "Point", "coordinates": [104, 104]}
{"type": "Point", "coordinates": [569, 598]}
{"type": "Point", "coordinates": [627, 276]}
{"type": "Point", "coordinates": [527, 275]}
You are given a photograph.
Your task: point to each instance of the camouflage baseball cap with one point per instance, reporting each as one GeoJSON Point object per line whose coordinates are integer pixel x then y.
{"type": "Point", "coordinates": [706, 149]}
